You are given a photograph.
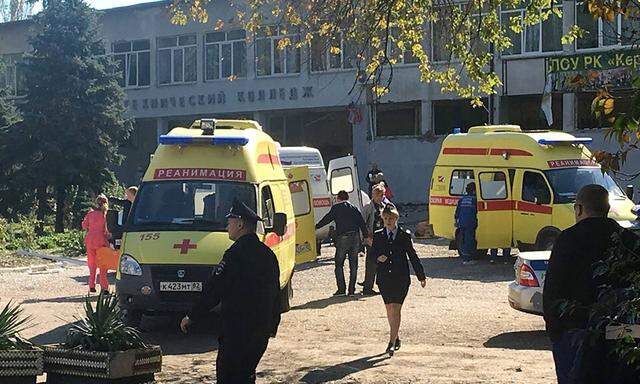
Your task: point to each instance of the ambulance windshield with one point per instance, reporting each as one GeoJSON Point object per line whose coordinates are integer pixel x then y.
{"type": "Point", "coordinates": [567, 182]}
{"type": "Point", "coordinates": [187, 205]}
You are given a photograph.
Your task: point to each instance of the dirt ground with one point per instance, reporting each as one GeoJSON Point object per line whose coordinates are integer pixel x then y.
{"type": "Point", "coordinates": [459, 329]}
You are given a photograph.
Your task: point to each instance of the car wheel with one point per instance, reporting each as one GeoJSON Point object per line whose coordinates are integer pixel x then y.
{"type": "Point", "coordinates": [546, 242]}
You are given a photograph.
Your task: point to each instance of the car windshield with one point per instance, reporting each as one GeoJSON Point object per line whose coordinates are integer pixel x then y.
{"type": "Point", "coordinates": [187, 205]}
{"type": "Point", "coordinates": [567, 182]}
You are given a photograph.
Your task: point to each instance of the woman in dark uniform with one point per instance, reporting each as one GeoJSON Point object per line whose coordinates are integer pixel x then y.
{"type": "Point", "coordinates": [393, 249]}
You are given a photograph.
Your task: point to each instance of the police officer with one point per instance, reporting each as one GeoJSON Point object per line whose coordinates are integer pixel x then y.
{"type": "Point", "coordinates": [466, 218]}
{"type": "Point", "coordinates": [247, 284]}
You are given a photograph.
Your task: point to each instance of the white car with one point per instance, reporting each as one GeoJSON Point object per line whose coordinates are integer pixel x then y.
{"type": "Point", "coordinates": [525, 293]}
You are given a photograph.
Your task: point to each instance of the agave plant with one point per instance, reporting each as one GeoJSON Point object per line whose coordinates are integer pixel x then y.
{"type": "Point", "coordinates": [102, 328]}
{"type": "Point", "coordinates": [12, 322]}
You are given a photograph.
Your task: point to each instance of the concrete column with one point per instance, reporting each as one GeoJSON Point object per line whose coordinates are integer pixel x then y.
{"type": "Point", "coordinates": [426, 118]}
{"type": "Point", "coordinates": [162, 126]}
{"type": "Point", "coordinates": [261, 117]}
{"type": "Point", "coordinates": [568, 112]}
{"type": "Point", "coordinates": [568, 21]}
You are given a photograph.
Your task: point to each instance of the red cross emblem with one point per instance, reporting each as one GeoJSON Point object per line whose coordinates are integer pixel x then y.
{"type": "Point", "coordinates": [185, 246]}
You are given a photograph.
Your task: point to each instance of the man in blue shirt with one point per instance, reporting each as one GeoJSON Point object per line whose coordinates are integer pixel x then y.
{"type": "Point", "coordinates": [467, 222]}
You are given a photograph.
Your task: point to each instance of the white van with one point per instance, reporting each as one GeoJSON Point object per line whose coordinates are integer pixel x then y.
{"type": "Point", "coordinates": [291, 157]}
{"type": "Point", "coordinates": [343, 175]}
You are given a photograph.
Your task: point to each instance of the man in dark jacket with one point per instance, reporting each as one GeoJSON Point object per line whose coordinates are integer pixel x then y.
{"type": "Point", "coordinates": [348, 222]}
{"type": "Point", "coordinates": [569, 278]}
{"type": "Point", "coordinates": [248, 285]}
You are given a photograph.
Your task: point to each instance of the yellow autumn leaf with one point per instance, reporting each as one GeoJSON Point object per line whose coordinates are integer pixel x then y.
{"type": "Point", "coordinates": [334, 50]}
{"type": "Point", "coordinates": [608, 106]}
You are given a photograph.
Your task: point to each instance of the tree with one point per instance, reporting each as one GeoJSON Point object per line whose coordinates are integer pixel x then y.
{"type": "Point", "coordinates": [74, 118]}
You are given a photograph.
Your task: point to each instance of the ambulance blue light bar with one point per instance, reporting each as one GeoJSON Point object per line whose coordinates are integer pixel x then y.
{"type": "Point", "coordinates": [576, 140]}
{"type": "Point", "coordinates": [188, 140]}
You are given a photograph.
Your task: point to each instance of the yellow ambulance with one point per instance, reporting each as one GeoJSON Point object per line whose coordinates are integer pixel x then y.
{"type": "Point", "coordinates": [526, 184]}
{"type": "Point", "coordinates": [176, 231]}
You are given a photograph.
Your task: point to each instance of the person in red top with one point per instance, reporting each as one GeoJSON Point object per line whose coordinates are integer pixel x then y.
{"type": "Point", "coordinates": [97, 236]}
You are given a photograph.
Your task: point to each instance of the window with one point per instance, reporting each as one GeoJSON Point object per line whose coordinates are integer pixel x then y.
{"type": "Point", "coordinates": [568, 181]}
{"type": "Point", "coordinates": [341, 180]}
{"type": "Point", "coordinates": [397, 119]}
{"type": "Point", "coordinates": [460, 178]}
{"type": "Point", "coordinates": [268, 210]}
{"type": "Point", "coordinates": [12, 76]}
{"type": "Point", "coordinates": [525, 111]}
{"type": "Point", "coordinates": [133, 60]}
{"type": "Point", "coordinates": [535, 189]}
{"type": "Point", "coordinates": [322, 59]}
{"type": "Point", "coordinates": [545, 36]}
{"type": "Point", "coordinates": [450, 114]}
{"type": "Point", "coordinates": [623, 30]}
{"type": "Point", "coordinates": [493, 185]}
{"type": "Point", "coordinates": [193, 205]}
{"type": "Point", "coordinates": [270, 60]}
{"type": "Point", "coordinates": [225, 54]}
{"type": "Point", "coordinates": [177, 59]}
{"type": "Point", "coordinates": [300, 197]}
{"type": "Point", "coordinates": [441, 29]}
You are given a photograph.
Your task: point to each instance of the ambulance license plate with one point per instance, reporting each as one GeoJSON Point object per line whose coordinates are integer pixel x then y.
{"type": "Point", "coordinates": [181, 286]}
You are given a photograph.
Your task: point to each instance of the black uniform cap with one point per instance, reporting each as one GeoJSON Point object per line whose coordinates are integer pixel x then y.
{"type": "Point", "coordinates": [240, 210]}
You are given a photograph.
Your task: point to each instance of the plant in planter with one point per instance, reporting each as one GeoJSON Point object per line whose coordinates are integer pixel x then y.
{"type": "Point", "coordinates": [20, 361]}
{"type": "Point", "coordinates": [101, 349]}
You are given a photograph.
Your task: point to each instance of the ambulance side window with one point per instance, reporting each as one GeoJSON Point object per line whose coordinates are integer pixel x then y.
{"type": "Point", "coordinates": [535, 189]}
{"type": "Point", "coordinates": [493, 185]}
{"type": "Point", "coordinates": [460, 178]}
{"type": "Point", "coordinates": [267, 207]}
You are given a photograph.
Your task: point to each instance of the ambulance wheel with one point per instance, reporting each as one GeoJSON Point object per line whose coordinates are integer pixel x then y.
{"type": "Point", "coordinates": [132, 318]}
{"type": "Point", "coordinates": [318, 247]}
{"type": "Point", "coordinates": [285, 295]}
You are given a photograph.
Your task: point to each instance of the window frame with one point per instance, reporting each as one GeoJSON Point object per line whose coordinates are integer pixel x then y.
{"type": "Point", "coordinates": [308, 190]}
{"type": "Point", "coordinates": [465, 186]}
{"type": "Point", "coordinates": [331, 178]}
{"type": "Point", "coordinates": [11, 62]}
{"type": "Point", "coordinates": [172, 49]}
{"type": "Point", "coordinates": [267, 220]}
{"type": "Point", "coordinates": [523, 34]}
{"type": "Point", "coordinates": [231, 43]}
{"type": "Point", "coordinates": [506, 189]}
{"type": "Point", "coordinates": [273, 46]}
{"type": "Point", "coordinates": [127, 57]}
{"type": "Point", "coordinates": [600, 46]}
{"type": "Point", "coordinates": [432, 41]}
{"type": "Point", "coordinates": [546, 183]}
{"type": "Point", "coordinates": [326, 59]}
{"type": "Point", "coordinates": [417, 115]}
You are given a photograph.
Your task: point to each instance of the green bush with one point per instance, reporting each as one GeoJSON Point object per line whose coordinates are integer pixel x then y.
{"type": "Point", "coordinates": [18, 235]}
{"type": "Point", "coordinates": [70, 243]}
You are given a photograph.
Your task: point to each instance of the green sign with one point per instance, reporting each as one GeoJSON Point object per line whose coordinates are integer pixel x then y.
{"type": "Point", "coordinates": [594, 61]}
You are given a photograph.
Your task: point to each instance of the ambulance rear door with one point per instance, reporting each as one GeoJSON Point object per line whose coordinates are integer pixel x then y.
{"type": "Point", "coordinates": [495, 205]}
{"type": "Point", "coordinates": [343, 176]}
{"type": "Point", "coordinates": [300, 188]}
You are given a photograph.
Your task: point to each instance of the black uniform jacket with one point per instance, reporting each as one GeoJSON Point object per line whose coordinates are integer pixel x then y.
{"type": "Point", "coordinates": [569, 274]}
{"type": "Point", "coordinates": [248, 285]}
{"type": "Point", "coordinates": [398, 253]}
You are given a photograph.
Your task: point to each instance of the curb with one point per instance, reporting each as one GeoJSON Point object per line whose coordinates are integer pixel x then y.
{"type": "Point", "coordinates": [31, 268]}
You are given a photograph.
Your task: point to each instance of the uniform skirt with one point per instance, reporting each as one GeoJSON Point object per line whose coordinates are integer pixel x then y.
{"type": "Point", "coordinates": [392, 289]}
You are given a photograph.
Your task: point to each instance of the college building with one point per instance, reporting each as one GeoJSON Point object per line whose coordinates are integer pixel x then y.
{"type": "Point", "coordinates": [306, 96]}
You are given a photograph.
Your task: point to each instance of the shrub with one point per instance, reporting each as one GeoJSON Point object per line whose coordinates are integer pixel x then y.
{"type": "Point", "coordinates": [12, 322]}
{"type": "Point", "coordinates": [18, 235]}
{"type": "Point", "coordinates": [70, 243]}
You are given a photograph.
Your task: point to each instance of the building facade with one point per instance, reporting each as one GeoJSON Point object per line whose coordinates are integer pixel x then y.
{"type": "Point", "coordinates": [175, 74]}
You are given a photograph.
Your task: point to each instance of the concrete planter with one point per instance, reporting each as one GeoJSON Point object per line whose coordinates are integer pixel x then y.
{"type": "Point", "coordinates": [614, 332]}
{"type": "Point", "coordinates": [20, 366]}
{"type": "Point", "coordinates": [68, 366]}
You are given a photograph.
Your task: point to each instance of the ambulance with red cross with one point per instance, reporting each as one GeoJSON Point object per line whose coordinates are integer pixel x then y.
{"type": "Point", "coordinates": [526, 184]}
{"type": "Point", "coordinates": [175, 234]}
